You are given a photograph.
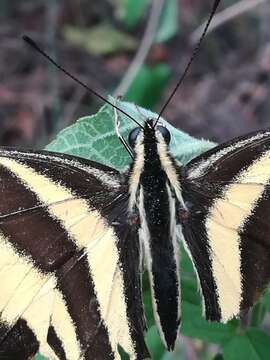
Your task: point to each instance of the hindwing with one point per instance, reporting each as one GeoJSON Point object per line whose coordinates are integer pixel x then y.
{"type": "Point", "coordinates": [70, 262]}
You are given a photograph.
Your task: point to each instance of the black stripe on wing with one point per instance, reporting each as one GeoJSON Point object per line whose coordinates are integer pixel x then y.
{"type": "Point", "coordinates": [196, 242]}
{"type": "Point", "coordinates": [223, 162]}
{"type": "Point", "coordinates": [55, 343]}
{"type": "Point", "coordinates": [20, 343]}
{"type": "Point", "coordinates": [71, 162]}
{"type": "Point", "coordinates": [78, 289]}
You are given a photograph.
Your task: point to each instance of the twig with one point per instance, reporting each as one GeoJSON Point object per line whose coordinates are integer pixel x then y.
{"type": "Point", "coordinates": [71, 106]}
{"type": "Point", "coordinates": [146, 43]}
{"type": "Point", "coordinates": [226, 15]}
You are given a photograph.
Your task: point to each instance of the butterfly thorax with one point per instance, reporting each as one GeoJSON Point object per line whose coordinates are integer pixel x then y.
{"type": "Point", "coordinates": [154, 189]}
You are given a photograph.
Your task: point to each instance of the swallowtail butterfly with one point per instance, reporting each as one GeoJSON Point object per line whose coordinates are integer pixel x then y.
{"type": "Point", "coordinates": [75, 237]}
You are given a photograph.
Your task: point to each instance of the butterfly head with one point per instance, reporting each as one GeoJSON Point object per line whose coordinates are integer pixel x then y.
{"type": "Point", "coordinates": [150, 133]}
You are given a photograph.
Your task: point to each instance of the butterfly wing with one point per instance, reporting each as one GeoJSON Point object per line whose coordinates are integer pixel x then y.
{"type": "Point", "coordinates": [227, 229]}
{"type": "Point", "coordinates": [70, 262]}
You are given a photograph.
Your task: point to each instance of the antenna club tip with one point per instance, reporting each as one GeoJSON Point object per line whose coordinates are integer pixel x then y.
{"type": "Point", "coordinates": [25, 38]}
{"type": "Point", "coordinates": [28, 40]}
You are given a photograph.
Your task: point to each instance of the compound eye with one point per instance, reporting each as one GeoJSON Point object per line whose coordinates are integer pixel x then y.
{"type": "Point", "coordinates": [133, 136]}
{"type": "Point", "coordinates": [165, 133]}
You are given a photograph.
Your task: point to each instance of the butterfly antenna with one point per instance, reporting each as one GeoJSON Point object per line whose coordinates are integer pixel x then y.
{"type": "Point", "coordinates": [193, 56]}
{"type": "Point", "coordinates": [32, 43]}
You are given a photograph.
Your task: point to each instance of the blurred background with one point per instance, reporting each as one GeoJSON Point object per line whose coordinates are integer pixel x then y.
{"type": "Point", "coordinates": [137, 49]}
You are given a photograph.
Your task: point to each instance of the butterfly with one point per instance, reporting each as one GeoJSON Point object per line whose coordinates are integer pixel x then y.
{"type": "Point", "coordinates": [76, 237]}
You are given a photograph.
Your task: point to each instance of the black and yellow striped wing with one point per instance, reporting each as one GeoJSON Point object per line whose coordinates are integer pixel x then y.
{"type": "Point", "coordinates": [227, 231]}
{"type": "Point", "coordinates": [70, 261]}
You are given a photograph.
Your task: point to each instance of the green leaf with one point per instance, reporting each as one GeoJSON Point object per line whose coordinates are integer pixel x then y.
{"type": "Point", "coordinates": [254, 344]}
{"type": "Point", "coordinates": [168, 26]}
{"type": "Point", "coordinates": [154, 344]}
{"type": "Point", "coordinates": [40, 357]}
{"type": "Point", "coordinates": [185, 262]}
{"type": "Point", "coordinates": [147, 302]}
{"type": "Point", "coordinates": [190, 292]}
{"type": "Point", "coordinates": [102, 39]}
{"type": "Point", "coordinates": [131, 11]}
{"type": "Point", "coordinates": [134, 11]}
{"type": "Point", "coordinates": [148, 85]}
{"type": "Point", "coordinates": [195, 326]}
{"type": "Point", "coordinates": [93, 137]}
{"type": "Point", "coordinates": [189, 284]}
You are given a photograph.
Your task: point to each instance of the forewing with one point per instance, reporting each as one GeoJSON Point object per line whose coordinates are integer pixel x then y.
{"type": "Point", "coordinates": [228, 226]}
{"type": "Point", "coordinates": [63, 220]}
